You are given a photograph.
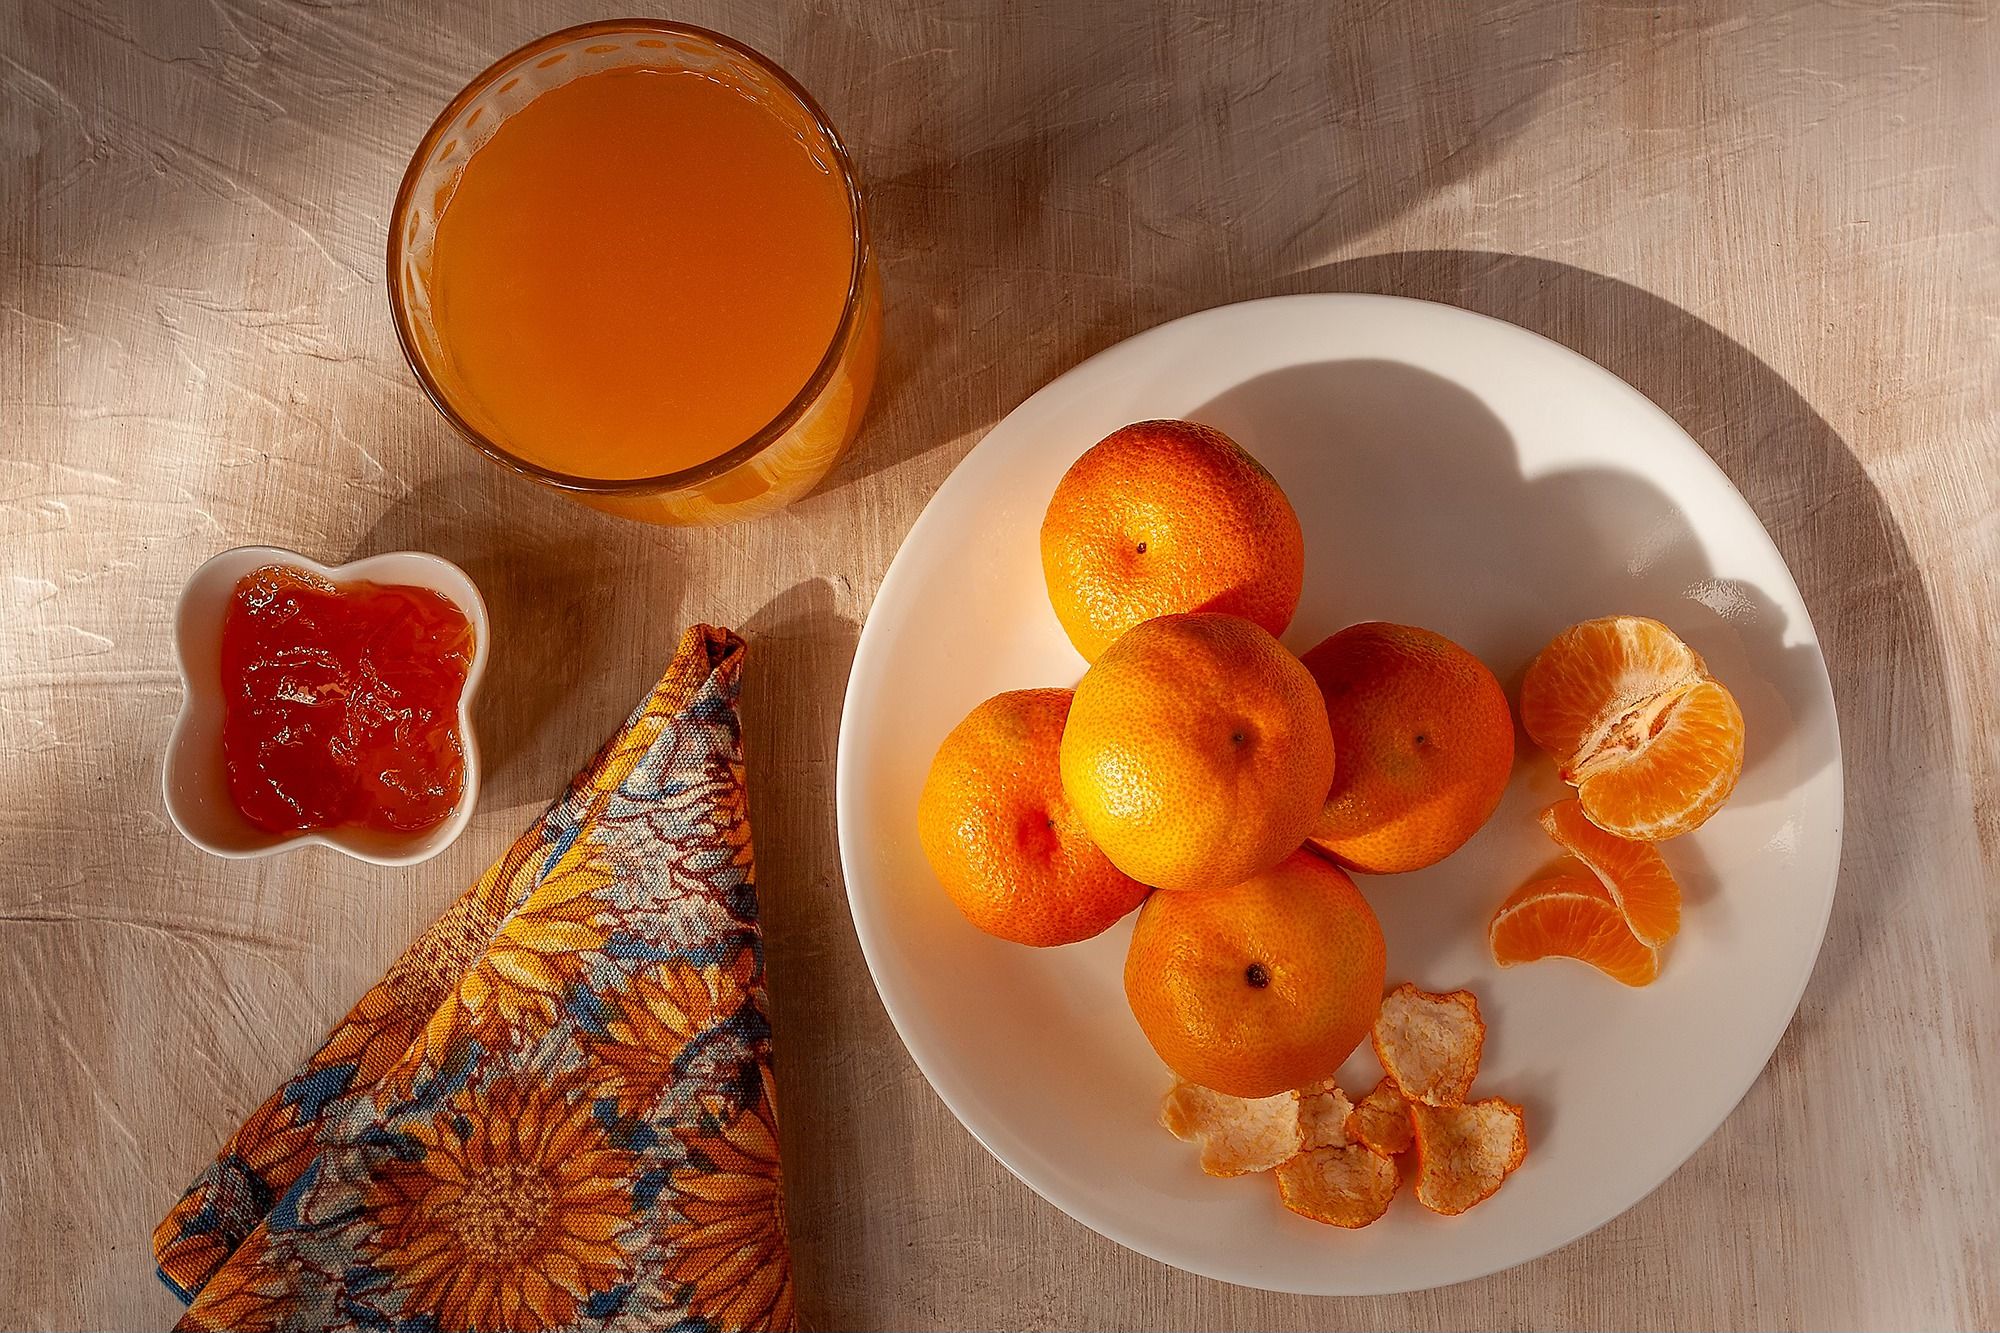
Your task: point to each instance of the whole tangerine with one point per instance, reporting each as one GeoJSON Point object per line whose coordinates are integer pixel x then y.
{"type": "Point", "coordinates": [1004, 841]}
{"type": "Point", "coordinates": [1426, 745]}
{"type": "Point", "coordinates": [1162, 517]}
{"type": "Point", "coordinates": [1261, 987]}
{"type": "Point", "coordinates": [1197, 752]}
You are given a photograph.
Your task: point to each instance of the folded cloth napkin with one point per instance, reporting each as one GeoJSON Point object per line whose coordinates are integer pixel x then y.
{"type": "Point", "coordinates": [555, 1111]}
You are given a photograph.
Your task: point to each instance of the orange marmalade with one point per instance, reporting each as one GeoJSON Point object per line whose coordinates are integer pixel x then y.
{"type": "Point", "coordinates": [341, 702]}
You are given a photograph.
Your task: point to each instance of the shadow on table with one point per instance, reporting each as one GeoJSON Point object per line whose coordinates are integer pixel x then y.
{"type": "Point", "coordinates": [1838, 536]}
{"type": "Point", "coordinates": [799, 649]}
{"type": "Point", "coordinates": [1449, 532]}
{"type": "Point", "coordinates": [549, 595]}
{"type": "Point", "coordinates": [1088, 179]}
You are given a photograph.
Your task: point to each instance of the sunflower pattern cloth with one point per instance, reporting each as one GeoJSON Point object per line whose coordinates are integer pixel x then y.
{"type": "Point", "coordinates": [555, 1111]}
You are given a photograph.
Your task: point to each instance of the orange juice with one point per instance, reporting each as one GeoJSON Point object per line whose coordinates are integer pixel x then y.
{"type": "Point", "coordinates": [639, 270]}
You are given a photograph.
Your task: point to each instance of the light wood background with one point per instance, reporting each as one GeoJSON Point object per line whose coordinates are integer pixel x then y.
{"type": "Point", "coordinates": [1779, 220]}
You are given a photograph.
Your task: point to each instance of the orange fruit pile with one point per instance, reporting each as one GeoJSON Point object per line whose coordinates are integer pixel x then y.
{"type": "Point", "coordinates": [1203, 774]}
{"type": "Point", "coordinates": [1194, 757]}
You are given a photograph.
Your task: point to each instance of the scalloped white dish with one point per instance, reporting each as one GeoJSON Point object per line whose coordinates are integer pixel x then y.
{"type": "Point", "coordinates": [196, 787]}
{"type": "Point", "coordinates": [1450, 471]}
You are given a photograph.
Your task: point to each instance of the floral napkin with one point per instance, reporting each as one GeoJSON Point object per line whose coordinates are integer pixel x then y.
{"type": "Point", "coordinates": [555, 1111]}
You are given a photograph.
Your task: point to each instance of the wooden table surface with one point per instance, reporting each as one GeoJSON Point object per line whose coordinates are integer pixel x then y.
{"type": "Point", "coordinates": [1781, 221]}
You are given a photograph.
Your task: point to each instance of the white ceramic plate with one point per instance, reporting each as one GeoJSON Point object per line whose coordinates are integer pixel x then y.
{"type": "Point", "coordinates": [1450, 471]}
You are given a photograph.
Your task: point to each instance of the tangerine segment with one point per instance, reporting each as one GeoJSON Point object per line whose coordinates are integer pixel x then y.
{"type": "Point", "coordinates": [1237, 1135]}
{"type": "Point", "coordinates": [1651, 742]}
{"type": "Point", "coordinates": [1671, 784]}
{"type": "Point", "coordinates": [1322, 1116]}
{"type": "Point", "coordinates": [1633, 873]}
{"type": "Point", "coordinates": [1571, 915]}
{"type": "Point", "coordinates": [1429, 1044]}
{"type": "Point", "coordinates": [1381, 1120]}
{"type": "Point", "coordinates": [1595, 672]}
{"type": "Point", "coordinates": [1464, 1153]}
{"type": "Point", "coordinates": [1003, 839]}
{"type": "Point", "coordinates": [1349, 1186]}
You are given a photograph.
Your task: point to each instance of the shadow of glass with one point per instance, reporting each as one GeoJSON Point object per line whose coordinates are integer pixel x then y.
{"type": "Point", "coordinates": [558, 643]}
{"type": "Point", "coordinates": [1448, 520]}
{"type": "Point", "coordinates": [1098, 182]}
{"type": "Point", "coordinates": [1449, 532]}
{"type": "Point", "coordinates": [1841, 541]}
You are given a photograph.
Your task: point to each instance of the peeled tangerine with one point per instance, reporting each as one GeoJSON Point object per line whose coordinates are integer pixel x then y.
{"type": "Point", "coordinates": [1571, 915]}
{"type": "Point", "coordinates": [1634, 874]}
{"type": "Point", "coordinates": [1652, 743]}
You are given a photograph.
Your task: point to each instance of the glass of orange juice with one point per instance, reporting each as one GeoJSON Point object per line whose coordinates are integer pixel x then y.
{"type": "Point", "coordinates": [630, 262]}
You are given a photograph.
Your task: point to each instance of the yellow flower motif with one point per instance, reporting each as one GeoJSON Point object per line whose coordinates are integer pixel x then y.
{"type": "Point", "coordinates": [512, 1228]}
{"type": "Point", "coordinates": [650, 1022]}
{"type": "Point", "coordinates": [535, 955]}
{"type": "Point", "coordinates": [731, 1248]}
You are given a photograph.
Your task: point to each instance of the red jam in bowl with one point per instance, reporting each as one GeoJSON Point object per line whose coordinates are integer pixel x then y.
{"type": "Point", "coordinates": [341, 702]}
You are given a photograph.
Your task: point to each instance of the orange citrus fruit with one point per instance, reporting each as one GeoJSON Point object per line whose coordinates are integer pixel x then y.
{"type": "Point", "coordinates": [1197, 752]}
{"type": "Point", "coordinates": [1004, 840]}
{"type": "Point", "coordinates": [1167, 516]}
{"type": "Point", "coordinates": [1425, 740]}
{"type": "Point", "coordinates": [1570, 915]}
{"type": "Point", "coordinates": [1261, 987]}
{"type": "Point", "coordinates": [1633, 873]}
{"type": "Point", "coordinates": [1652, 743]}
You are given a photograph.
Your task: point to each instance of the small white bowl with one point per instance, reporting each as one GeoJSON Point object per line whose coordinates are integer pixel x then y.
{"type": "Point", "coordinates": [197, 788]}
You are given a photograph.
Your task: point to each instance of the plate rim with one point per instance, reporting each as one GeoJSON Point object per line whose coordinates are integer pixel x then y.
{"type": "Point", "coordinates": [867, 647]}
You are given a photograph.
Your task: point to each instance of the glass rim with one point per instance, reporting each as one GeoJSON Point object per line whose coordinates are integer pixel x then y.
{"type": "Point", "coordinates": [760, 440]}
